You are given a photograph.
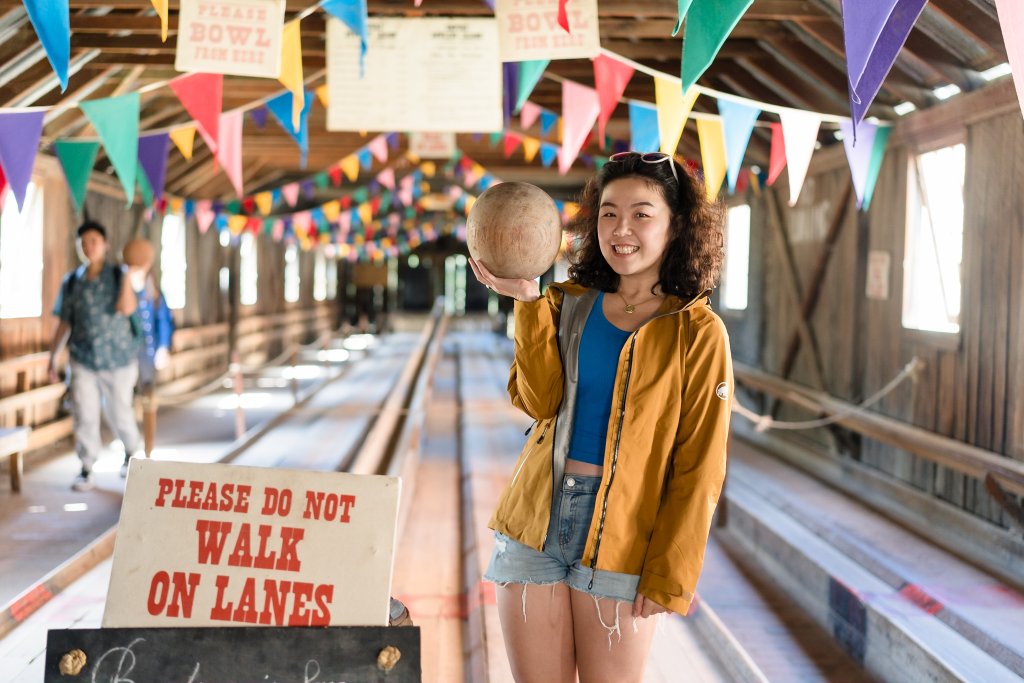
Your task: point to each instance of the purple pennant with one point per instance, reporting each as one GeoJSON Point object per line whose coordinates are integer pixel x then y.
{"type": "Point", "coordinates": [859, 155]}
{"type": "Point", "coordinates": [511, 89]}
{"type": "Point", "coordinates": [19, 138]}
{"type": "Point", "coordinates": [259, 116]}
{"type": "Point", "coordinates": [153, 159]}
{"type": "Point", "coordinates": [308, 188]}
{"type": "Point", "coordinates": [393, 141]}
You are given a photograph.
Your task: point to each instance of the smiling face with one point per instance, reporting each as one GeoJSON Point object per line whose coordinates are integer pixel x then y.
{"type": "Point", "coordinates": [94, 246]}
{"type": "Point", "coordinates": [633, 228]}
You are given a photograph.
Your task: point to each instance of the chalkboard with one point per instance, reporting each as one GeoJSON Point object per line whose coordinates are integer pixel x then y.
{"type": "Point", "coordinates": [339, 654]}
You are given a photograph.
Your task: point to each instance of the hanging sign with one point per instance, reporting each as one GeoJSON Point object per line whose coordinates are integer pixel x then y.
{"type": "Point", "coordinates": [432, 145]}
{"type": "Point", "coordinates": [437, 75]}
{"type": "Point", "coordinates": [220, 545]}
{"type": "Point", "coordinates": [877, 284]}
{"type": "Point", "coordinates": [237, 37]}
{"type": "Point", "coordinates": [529, 30]}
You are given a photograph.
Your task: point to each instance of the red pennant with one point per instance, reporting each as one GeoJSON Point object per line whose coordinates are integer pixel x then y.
{"type": "Point", "coordinates": [777, 162]}
{"type": "Point", "coordinates": [466, 163]}
{"type": "Point", "coordinates": [201, 95]}
{"type": "Point", "coordinates": [346, 202]}
{"type": "Point", "coordinates": [375, 205]}
{"type": "Point", "coordinates": [254, 225]}
{"type": "Point", "coordinates": [248, 205]}
{"type": "Point", "coordinates": [742, 181]}
{"type": "Point", "coordinates": [334, 172]}
{"type": "Point", "coordinates": [563, 17]}
{"type": "Point", "coordinates": [610, 79]}
{"type": "Point", "coordinates": [3, 186]}
{"type": "Point", "coordinates": [512, 142]}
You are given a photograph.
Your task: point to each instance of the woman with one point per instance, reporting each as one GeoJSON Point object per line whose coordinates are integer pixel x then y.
{"type": "Point", "coordinates": [627, 372]}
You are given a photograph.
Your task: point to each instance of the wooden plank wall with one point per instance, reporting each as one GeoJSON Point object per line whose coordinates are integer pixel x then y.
{"type": "Point", "coordinates": [972, 388]}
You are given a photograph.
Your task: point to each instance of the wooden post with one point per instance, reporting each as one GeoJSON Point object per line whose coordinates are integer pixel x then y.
{"type": "Point", "coordinates": [149, 405]}
{"type": "Point", "coordinates": [236, 382]}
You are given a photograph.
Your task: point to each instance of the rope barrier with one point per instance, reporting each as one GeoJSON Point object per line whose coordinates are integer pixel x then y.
{"type": "Point", "coordinates": [765, 422]}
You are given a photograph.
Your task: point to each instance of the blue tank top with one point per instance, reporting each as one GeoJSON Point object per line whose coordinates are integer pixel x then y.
{"type": "Point", "coordinates": [597, 362]}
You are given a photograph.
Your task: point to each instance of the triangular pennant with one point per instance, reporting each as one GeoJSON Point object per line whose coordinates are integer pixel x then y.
{"type": "Point", "coordinates": [50, 19]}
{"type": "Point", "coordinates": [563, 16]}
{"type": "Point", "coordinates": [153, 160]}
{"type": "Point", "coordinates": [204, 215]}
{"type": "Point", "coordinates": [281, 107]}
{"type": "Point", "coordinates": [684, 5]}
{"type": "Point", "coordinates": [529, 115]}
{"type": "Point", "coordinates": [1011, 19]}
{"type": "Point", "coordinates": [3, 187]}
{"type": "Point", "coordinates": [708, 24]}
{"type": "Point", "coordinates": [548, 119]}
{"type": "Point", "coordinates": [800, 135]}
{"type": "Point", "coordinates": [334, 173]}
{"type": "Point", "coordinates": [738, 122]}
{"type": "Point", "coordinates": [76, 158]}
{"type": "Point", "coordinates": [379, 148]}
{"type": "Point", "coordinates": [259, 116]}
{"type": "Point", "coordinates": [19, 139]}
{"type": "Point", "coordinates": [580, 108]}
{"type": "Point", "coordinates": [712, 152]}
{"type": "Point", "coordinates": [512, 142]}
{"type": "Point", "coordinates": [291, 69]}
{"type": "Point", "coordinates": [201, 95]}
{"type": "Point", "coordinates": [548, 153]}
{"type": "Point", "coordinates": [777, 159]}
{"type": "Point", "coordinates": [116, 120]}
{"type": "Point", "coordinates": [529, 75]}
{"type": "Point", "coordinates": [859, 154]}
{"type": "Point", "coordinates": [161, 11]}
{"type": "Point", "coordinates": [874, 33]}
{"type": "Point", "coordinates": [331, 211]}
{"type": "Point", "coordinates": [610, 80]}
{"type": "Point", "coordinates": [530, 148]}
{"type": "Point", "coordinates": [264, 202]}
{"type": "Point", "coordinates": [229, 150]}
{"type": "Point", "coordinates": [353, 14]}
{"type": "Point", "coordinates": [365, 158]}
{"type": "Point", "coordinates": [673, 109]}
{"type": "Point", "coordinates": [350, 167]}
{"type": "Point", "coordinates": [875, 167]}
{"type": "Point", "coordinates": [143, 184]}
{"type": "Point", "coordinates": [290, 192]}
{"type": "Point", "coordinates": [643, 127]}
{"type": "Point", "coordinates": [387, 178]}
{"type": "Point", "coordinates": [183, 139]}
{"type": "Point", "coordinates": [322, 95]}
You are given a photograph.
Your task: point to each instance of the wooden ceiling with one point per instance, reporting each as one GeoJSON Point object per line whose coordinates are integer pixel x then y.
{"type": "Point", "coordinates": [785, 52]}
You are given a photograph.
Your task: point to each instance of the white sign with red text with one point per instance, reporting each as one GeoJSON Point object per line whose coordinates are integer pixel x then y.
{"type": "Point", "coordinates": [238, 37]}
{"type": "Point", "coordinates": [529, 29]}
{"type": "Point", "coordinates": [428, 145]}
{"type": "Point", "coordinates": [220, 545]}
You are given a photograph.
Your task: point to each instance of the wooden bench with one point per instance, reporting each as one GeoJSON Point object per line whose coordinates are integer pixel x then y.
{"type": "Point", "coordinates": [13, 442]}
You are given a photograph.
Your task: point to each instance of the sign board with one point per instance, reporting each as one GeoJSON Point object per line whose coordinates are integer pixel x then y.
{"type": "Point", "coordinates": [432, 145]}
{"type": "Point", "coordinates": [238, 37]}
{"type": "Point", "coordinates": [234, 655]}
{"type": "Point", "coordinates": [420, 75]}
{"type": "Point", "coordinates": [219, 545]}
{"type": "Point", "coordinates": [877, 285]}
{"type": "Point", "coordinates": [528, 29]}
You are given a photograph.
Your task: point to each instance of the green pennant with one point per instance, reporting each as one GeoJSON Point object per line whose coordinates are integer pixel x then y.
{"type": "Point", "coordinates": [116, 120]}
{"type": "Point", "coordinates": [234, 207]}
{"type": "Point", "coordinates": [599, 162]}
{"type": "Point", "coordinates": [268, 226]}
{"type": "Point", "coordinates": [144, 189]}
{"type": "Point", "coordinates": [708, 24]}
{"type": "Point", "coordinates": [360, 195]}
{"type": "Point", "coordinates": [684, 5]}
{"type": "Point", "coordinates": [529, 74]}
{"type": "Point", "coordinates": [496, 137]}
{"type": "Point", "coordinates": [77, 158]}
{"type": "Point", "coordinates": [877, 155]}
{"type": "Point", "coordinates": [385, 201]}
{"type": "Point", "coordinates": [321, 179]}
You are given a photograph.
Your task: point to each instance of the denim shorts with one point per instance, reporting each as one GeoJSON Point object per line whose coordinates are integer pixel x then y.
{"type": "Point", "coordinates": [572, 512]}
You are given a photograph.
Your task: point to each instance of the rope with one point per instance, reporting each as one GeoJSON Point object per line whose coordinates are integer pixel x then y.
{"type": "Point", "coordinates": [765, 422]}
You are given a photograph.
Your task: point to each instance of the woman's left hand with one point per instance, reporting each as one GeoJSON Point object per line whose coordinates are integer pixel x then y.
{"type": "Point", "coordinates": [645, 607]}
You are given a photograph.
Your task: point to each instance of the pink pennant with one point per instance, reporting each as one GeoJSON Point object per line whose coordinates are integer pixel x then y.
{"type": "Point", "coordinates": [3, 187]}
{"type": "Point", "coordinates": [529, 114]}
{"type": "Point", "coordinates": [229, 147]}
{"type": "Point", "coordinates": [1011, 20]}
{"type": "Point", "coordinates": [379, 148]}
{"type": "Point", "coordinates": [204, 215]}
{"type": "Point", "coordinates": [471, 178]}
{"type": "Point", "coordinates": [407, 182]}
{"type": "Point", "coordinates": [302, 221]}
{"type": "Point", "coordinates": [278, 231]}
{"type": "Point", "coordinates": [580, 108]}
{"type": "Point", "coordinates": [563, 17]}
{"type": "Point", "coordinates": [200, 94]}
{"type": "Point", "coordinates": [778, 154]}
{"type": "Point", "coordinates": [345, 221]}
{"type": "Point", "coordinates": [290, 192]}
{"type": "Point", "coordinates": [387, 178]}
{"type": "Point", "coordinates": [405, 196]}
{"type": "Point", "coordinates": [610, 78]}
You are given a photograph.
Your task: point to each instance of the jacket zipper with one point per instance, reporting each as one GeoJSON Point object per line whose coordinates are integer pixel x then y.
{"type": "Point", "coordinates": [523, 464]}
{"type": "Point", "coordinates": [615, 459]}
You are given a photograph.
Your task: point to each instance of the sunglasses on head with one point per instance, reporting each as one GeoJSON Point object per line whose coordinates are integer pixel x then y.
{"type": "Point", "coordinates": [647, 158]}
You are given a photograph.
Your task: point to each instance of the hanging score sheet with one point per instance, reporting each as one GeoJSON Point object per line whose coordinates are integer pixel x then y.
{"type": "Point", "coordinates": [439, 75]}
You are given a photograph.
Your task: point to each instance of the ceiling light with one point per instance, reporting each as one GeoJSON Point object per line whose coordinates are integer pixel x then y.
{"type": "Point", "coordinates": [904, 108]}
{"type": "Point", "coordinates": [998, 71]}
{"type": "Point", "coordinates": [946, 91]}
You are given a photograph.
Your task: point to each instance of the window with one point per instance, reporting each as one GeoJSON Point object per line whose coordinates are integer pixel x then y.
{"type": "Point", "coordinates": [248, 274]}
{"type": "Point", "coordinates": [21, 256]}
{"type": "Point", "coordinates": [737, 258]}
{"type": "Point", "coordinates": [291, 273]}
{"type": "Point", "coordinates": [332, 278]}
{"type": "Point", "coordinates": [320, 276]}
{"type": "Point", "coordinates": [934, 247]}
{"type": "Point", "coordinates": [173, 261]}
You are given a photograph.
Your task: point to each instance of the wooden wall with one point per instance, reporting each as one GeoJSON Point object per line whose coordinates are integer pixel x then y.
{"type": "Point", "coordinates": [972, 388]}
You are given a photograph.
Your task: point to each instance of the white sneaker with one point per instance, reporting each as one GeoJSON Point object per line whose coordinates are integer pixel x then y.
{"type": "Point", "coordinates": [83, 482]}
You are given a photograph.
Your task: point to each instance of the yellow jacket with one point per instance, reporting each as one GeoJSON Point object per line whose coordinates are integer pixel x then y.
{"type": "Point", "coordinates": [665, 456]}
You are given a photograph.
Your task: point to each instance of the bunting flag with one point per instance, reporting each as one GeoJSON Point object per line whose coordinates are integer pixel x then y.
{"type": "Point", "coordinates": [50, 20]}
{"type": "Point", "coordinates": [201, 95]}
{"type": "Point", "coordinates": [365, 158]}
{"type": "Point", "coordinates": [204, 215]}
{"type": "Point", "coordinates": [323, 95]}
{"type": "Point", "coordinates": [291, 69]}
{"type": "Point", "coordinates": [143, 184]}
{"type": "Point", "coordinates": [738, 122]}
{"type": "Point", "coordinates": [379, 148]}
{"type": "Point", "coordinates": [865, 157]}
{"type": "Point", "coordinates": [387, 178]}
{"type": "Point", "coordinates": [580, 108]}
{"type": "Point", "coordinates": [530, 148]}
{"type": "Point", "coordinates": [674, 108]}
{"type": "Point", "coordinates": [875, 167]}
{"type": "Point", "coordinates": [264, 202]}
{"type": "Point", "coordinates": [350, 167]}
{"type": "Point", "coordinates": [509, 88]}
{"type": "Point", "coordinates": [290, 192]}
{"type": "Point", "coordinates": [874, 33]}
{"type": "Point", "coordinates": [684, 5]}
{"type": "Point", "coordinates": [800, 133]}
{"type": "Point", "coordinates": [153, 161]}
{"type": "Point", "coordinates": [332, 210]}
{"type": "Point", "coordinates": [229, 147]}
{"type": "Point", "coordinates": [259, 116]}
{"type": "Point", "coordinates": [548, 119]}
{"type": "Point", "coordinates": [161, 11]}
{"type": "Point", "coordinates": [563, 16]}
{"type": "Point", "coordinates": [76, 158]}
{"type": "Point", "coordinates": [3, 187]}
{"type": "Point", "coordinates": [708, 24]}
{"type": "Point", "coordinates": [116, 120]}
{"type": "Point", "coordinates": [643, 127]}
{"type": "Point", "coordinates": [353, 14]}
{"type": "Point", "coordinates": [282, 107]}
{"type": "Point", "coordinates": [183, 138]}
{"type": "Point", "coordinates": [512, 142]}
{"type": "Point", "coordinates": [529, 114]}
{"type": "Point", "coordinates": [1011, 19]}
{"type": "Point", "coordinates": [777, 160]}
{"type": "Point", "coordinates": [610, 79]}
{"type": "Point", "coordinates": [548, 153]}
{"type": "Point", "coordinates": [529, 75]}
{"type": "Point", "coordinates": [19, 139]}
{"type": "Point", "coordinates": [712, 152]}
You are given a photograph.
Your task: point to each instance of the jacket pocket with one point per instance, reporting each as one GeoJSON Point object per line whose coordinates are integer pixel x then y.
{"type": "Point", "coordinates": [532, 447]}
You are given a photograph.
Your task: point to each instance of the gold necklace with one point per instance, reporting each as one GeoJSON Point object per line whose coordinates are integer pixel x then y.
{"type": "Point", "coordinates": [631, 308]}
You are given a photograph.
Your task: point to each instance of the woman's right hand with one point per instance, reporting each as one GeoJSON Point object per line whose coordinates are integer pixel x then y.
{"type": "Point", "coordinates": [518, 289]}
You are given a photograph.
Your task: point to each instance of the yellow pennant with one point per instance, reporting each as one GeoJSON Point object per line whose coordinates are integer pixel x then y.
{"type": "Point", "coordinates": [264, 202]}
{"type": "Point", "coordinates": [429, 168]}
{"type": "Point", "coordinates": [413, 157]}
{"type": "Point", "coordinates": [350, 167]}
{"type": "Point", "coordinates": [321, 94]}
{"type": "Point", "coordinates": [291, 68]}
{"type": "Point", "coordinates": [183, 139]}
{"type": "Point", "coordinates": [325, 238]}
{"type": "Point", "coordinates": [673, 110]}
{"type": "Point", "coordinates": [176, 204]}
{"type": "Point", "coordinates": [161, 10]}
{"type": "Point", "coordinates": [712, 152]}
{"type": "Point", "coordinates": [470, 201]}
{"type": "Point", "coordinates": [236, 224]}
{"type": "Point", "coordinates": [366, 213]}
{"type": "Point", "coordinates": [530, 148]}
{"type": "Point", "coordinates": [331, 211]}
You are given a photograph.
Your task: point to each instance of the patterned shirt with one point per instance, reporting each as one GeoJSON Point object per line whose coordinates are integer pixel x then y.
{"type": "Point", "coordinates": [101, 338]}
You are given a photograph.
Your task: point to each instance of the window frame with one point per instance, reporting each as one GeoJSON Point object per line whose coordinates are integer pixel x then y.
{"type": "Point", "coordinates": [723, 309]}
{"type": "Point", "coordinates": [39, 186]}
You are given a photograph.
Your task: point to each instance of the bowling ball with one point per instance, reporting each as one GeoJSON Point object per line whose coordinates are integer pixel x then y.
{"type": "Point", "coordinates": [515, 230]}
{"type": "Point", "coordinates": [138, 253]}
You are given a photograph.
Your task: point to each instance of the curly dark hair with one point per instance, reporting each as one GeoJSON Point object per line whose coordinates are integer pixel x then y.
{"type": "Point", "coordinates": [695, 251]}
